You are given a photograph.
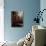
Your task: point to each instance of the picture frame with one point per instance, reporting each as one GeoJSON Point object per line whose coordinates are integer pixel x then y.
{"type": "Point", "coordinates": [17, 18]}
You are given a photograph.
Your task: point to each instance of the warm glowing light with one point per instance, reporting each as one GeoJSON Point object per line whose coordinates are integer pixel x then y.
{"type": "Point", "coordinates": [20, 13]}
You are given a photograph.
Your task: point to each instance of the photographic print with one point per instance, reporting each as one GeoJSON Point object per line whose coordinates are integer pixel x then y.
{"type": "Point", "coordinates": [17, 18]}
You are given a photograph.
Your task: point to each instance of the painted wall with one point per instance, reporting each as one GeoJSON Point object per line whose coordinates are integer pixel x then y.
{"type": "Point", "coordinates": [29, 7]}
{"type": "Point", "coordinates": [43, 6]}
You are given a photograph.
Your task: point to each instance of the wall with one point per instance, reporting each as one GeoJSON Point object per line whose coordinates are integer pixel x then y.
{"type": "Point", "coordinates": [43, 6]}
{"type": "Point", "coordinates": [29, 7]}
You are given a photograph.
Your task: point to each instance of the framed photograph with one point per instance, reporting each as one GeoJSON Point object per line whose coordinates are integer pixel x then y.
{"type": "Point", "coordinates": [17, 18]}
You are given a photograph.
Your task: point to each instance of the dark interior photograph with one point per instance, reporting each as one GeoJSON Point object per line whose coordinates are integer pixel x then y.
{"type": "Point", "coordinates": [16, 19]}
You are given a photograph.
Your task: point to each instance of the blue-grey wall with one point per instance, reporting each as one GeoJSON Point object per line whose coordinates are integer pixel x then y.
{"type": "Point", "coordinates": [29, 7]}
{"type": "Point", "coordinates": [43, 6]}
